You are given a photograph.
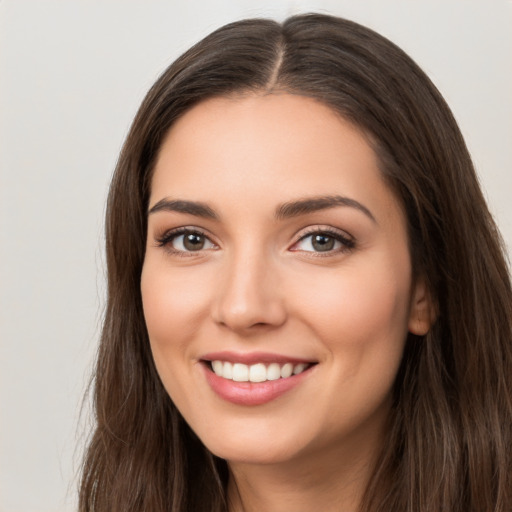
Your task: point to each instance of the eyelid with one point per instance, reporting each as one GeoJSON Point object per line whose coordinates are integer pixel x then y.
{"type": "Point", "coordinates": [347, 241]}
{"type": "Point", "coordinates": [166, 238]}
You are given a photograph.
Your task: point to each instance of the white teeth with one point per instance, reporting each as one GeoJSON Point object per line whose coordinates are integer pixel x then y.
{"type": "Point", "coordinates": [273, 371]}
{"type": "Point", "coordinates": [240, 372]}
{"type": "Point", "coordinates": [256, 372]}
{"type": "Point", "coordinates": [286, 370]}
{"type": "Point", "coordinates": [227, 370]}
{"type": "Point", "coordinates": [217, 368]}
{"type": "Point", "coordinates": [299, 368]}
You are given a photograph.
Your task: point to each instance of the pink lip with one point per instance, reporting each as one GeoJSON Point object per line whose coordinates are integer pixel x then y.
{"type": "Point", "coordinates": [252, 393]}
{"type": "Point", "coordinates": [252, 358]}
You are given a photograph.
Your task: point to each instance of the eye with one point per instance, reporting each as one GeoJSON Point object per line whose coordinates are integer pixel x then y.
{"type": "Point", "coordinates": [185, 241]}
{"type": "Point", "coordinates": [324, 241]}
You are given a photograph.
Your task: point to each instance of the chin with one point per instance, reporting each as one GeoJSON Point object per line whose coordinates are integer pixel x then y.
{"type": "Point", "coordinates": [250, 447]}
{"type": "Point", "coordinates": [255, 454]}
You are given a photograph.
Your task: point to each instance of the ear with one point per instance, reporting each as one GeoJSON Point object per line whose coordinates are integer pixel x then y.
{"type": "Point", "coordinates": [422, 314]}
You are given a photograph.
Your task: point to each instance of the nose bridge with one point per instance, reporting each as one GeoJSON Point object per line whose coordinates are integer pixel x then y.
{"type": "Point", "coordinates": [249, 293]}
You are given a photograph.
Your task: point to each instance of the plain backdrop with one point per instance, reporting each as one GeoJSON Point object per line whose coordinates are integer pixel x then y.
{"type": "Point", "coordinates": [72, 74]}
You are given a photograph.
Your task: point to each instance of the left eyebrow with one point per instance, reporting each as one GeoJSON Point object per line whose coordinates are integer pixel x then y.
{"type": "Point", "coordinates": [314, 204]}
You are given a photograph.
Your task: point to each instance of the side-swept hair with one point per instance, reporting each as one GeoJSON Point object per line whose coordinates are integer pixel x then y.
{"type": "Point", "coordinates": [449, 445]}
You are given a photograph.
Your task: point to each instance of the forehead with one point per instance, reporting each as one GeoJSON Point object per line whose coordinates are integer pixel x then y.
{"type": "Point", "coordinates": [267, 147]}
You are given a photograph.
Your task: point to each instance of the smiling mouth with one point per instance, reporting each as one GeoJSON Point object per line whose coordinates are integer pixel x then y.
{"type": "Point", "coordinates": [259, 372]}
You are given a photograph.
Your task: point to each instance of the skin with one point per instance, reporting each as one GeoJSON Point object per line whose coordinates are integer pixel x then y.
{"type": "Point", "coordinates": [259, 284]}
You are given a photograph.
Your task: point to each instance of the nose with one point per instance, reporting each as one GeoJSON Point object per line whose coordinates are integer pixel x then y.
{"type": "Point", "coordinates": [249, 297]}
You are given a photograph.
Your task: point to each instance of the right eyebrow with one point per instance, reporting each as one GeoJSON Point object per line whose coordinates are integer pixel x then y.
{"type": "Point", "coordinates": [195, 208]}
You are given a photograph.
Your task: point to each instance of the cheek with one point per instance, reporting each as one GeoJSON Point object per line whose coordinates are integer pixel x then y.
{"type": "Point", "coordinates": [170, 307]}
{"type": "Point", "coordinates": [360, 317]}
{"type": "Point", "coordinates": [358, 306]}
{"type": "Point", "coordinates": [174, 302]}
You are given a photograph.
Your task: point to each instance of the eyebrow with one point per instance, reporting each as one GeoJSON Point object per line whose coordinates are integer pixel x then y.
{"type": "Point", "coordinates": [314, 204]}
{"type": "Point", "coordinates": [284, 211]}
{"type": "Point", "coordinates": [195, 208]}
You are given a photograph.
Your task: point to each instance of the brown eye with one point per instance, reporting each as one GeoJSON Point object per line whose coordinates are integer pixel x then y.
{"type": "Point", "coordinates": [322, 242]}
{"type": "Point", "coordinates": [193, 242]}
{"type": "Point", "coordinates": [186, 241]}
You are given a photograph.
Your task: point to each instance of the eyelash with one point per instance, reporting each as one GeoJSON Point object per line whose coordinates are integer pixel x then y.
{"type": "Point", "coordinates": [347, 243]}
{"type": "Point", "coordinates": [168, 237]}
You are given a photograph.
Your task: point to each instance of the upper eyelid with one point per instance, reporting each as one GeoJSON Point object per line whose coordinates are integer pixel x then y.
{"type": "Point", "coordinates": [311, 230]}
{"type": "Point", "coordinates": [174, 232]}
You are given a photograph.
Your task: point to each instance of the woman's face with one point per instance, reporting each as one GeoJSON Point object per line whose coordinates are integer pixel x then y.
{"type": "Point", "coordinates": [274, 246]}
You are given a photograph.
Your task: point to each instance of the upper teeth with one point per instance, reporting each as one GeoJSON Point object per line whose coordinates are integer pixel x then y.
{"type": "Point", "coordinates": [256, 372]}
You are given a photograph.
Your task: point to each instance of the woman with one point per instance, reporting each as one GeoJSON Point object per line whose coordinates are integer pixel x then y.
{"type": "Point", "coordinates": [309, 305]}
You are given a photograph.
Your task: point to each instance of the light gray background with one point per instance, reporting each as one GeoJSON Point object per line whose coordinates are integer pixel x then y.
{"type": "Point", "coordinates": [72, 74]}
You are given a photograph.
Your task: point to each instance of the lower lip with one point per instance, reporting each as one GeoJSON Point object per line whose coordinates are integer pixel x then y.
{"type": "Point", "coordinates": [252, 393]}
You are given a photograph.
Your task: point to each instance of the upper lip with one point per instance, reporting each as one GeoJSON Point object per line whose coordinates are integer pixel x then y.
{"type": "Point", "coordinates": [253, 357]}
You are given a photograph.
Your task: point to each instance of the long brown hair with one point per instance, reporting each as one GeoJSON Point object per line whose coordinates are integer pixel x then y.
{"type": "Point", "coordinates": [450, 436]}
